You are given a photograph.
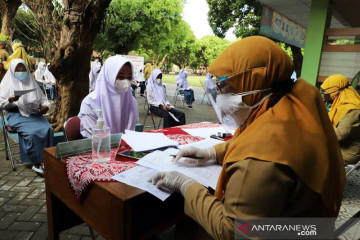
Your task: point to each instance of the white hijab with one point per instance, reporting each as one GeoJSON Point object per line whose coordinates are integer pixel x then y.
{"type": "Point", "coordinates": [95, 67]}
{"type": "Point", "coordinates": [120, 110]}
{"type": "Point", "coordinates": [29, 102]}
{"type": "Point", "coordinates": [39, 72]}
{"type": "Point", "coordinates": [49, 77]}
{"type": "Point", "coordinates": [157, 89]}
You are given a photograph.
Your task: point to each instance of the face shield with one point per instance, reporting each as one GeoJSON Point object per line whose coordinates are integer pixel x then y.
{"type": "Point", "coordinates": [230, 107]}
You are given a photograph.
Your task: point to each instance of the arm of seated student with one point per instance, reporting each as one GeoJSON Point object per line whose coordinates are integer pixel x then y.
{"type": "Point", "coordinates": [348, 126]}
{"type": "Point", "coordinates": [88, 120]}
{"type": "Point", "coordinates": [151, 99]}
{"type": "Point", "coordinates": [8, 103]}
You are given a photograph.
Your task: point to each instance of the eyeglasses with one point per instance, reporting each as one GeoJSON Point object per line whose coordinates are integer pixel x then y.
{"type": "Point", "coordinates": [227, 77]}
{"type": "Point", "coordinates": [323, 91]}
{"type": "Point", "coordinates": [326, 95]}
{"type": "Point", "coordinates": [222, 87]}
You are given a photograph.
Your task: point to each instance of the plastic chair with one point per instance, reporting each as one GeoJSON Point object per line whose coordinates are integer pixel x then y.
{"type": "Point", "coordinates": [46, 91]}
{"type": "Point", "coordinates": [202, 83]}
{"type": "Point", "coordinates": [351, 167]}
{"type": "Point", "coordinates": [72, 129]}
{"type": "Point", "coordinates": [149, 113]}
{"type": "Point", "coordinates": [181, 96]}
{"type": "Point", "coordinates": [8, 145]}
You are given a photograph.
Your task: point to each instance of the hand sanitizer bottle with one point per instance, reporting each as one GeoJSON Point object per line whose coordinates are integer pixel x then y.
{"type": "Point", "coordinates": [101, 140]}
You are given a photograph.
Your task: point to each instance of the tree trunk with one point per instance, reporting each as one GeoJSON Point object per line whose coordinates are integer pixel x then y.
{"type": "Point", "coordinates": [297, 59]}
{"type": "Point", "coordinates": [8, 11]}
{"type": "Point", "coordinates": [162, 60]}
{"type": "Point", "coordinates": [71, 64]}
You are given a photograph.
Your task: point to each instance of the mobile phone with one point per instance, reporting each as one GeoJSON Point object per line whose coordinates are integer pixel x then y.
{"type": "Point", "coordinates": [132, 154]}
{"type": "Point", "coordinates": [217, 137]}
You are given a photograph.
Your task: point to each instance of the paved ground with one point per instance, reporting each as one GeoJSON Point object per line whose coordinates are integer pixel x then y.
{"type": "Point", "coordinates": [22, 193]}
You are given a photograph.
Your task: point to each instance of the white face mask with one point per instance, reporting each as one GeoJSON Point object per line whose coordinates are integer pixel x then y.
{"type": "Point", "coordinates": [234, 110]}
{"type": "Point", "coordinates": [158, 81]}
{"type": "Point", "coordinates": [122, 86]}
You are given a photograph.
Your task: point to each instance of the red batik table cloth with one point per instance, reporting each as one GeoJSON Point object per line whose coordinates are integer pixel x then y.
{"type": "Point", "coordinates": [82, 171]}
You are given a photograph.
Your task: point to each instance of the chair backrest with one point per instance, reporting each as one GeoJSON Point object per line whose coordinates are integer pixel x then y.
{"type": "Point", "coordinates": [72, 129]}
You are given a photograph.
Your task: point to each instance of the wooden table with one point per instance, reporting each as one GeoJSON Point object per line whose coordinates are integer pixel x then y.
{"type": "Point", "coordinates": [113, 209]}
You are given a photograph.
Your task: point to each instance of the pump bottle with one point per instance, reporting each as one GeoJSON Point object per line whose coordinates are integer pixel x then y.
{"type": "Point", "coordinates": [101, 140]}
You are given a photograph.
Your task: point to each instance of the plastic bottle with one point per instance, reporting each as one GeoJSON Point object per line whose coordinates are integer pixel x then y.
{"type": "Point", "coordinates": [101, 140]}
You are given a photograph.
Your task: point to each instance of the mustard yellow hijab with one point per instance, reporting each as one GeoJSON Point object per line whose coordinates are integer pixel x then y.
{"type": "Point", "coordinates": [345, 99]}
{"type": "Point", "coordinates": [296, 131]}
{"type": "Point", "coordinates": [18, 52]}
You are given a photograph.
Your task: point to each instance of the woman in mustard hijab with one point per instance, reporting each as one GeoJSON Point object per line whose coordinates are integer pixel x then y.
{"type": "Point", "coordinates": [284, 159]}
{"type": "Point", "coordinates": [18, 52]}
{"type": "Point", "coordinates": [344, 115]}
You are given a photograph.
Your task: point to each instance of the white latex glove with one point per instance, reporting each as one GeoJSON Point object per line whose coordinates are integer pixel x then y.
{"type": "Point", "coordinates": [205, 155]}
{"type": "Point", "coordinates": [172, 180]}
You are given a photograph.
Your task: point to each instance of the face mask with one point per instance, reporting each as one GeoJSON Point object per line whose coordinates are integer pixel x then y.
{"type": "Point", "coordinates": [158, 81]}
{"type": "Point", "coordinates": [122, 86]}
{"type": "Point", "coordinates": [234, 110]}
{"type": "Point", "coordinates": [21, 76]}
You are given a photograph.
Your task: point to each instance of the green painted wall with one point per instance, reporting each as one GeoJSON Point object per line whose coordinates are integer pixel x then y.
{"type": "Point", "coordinates": [320, 17]}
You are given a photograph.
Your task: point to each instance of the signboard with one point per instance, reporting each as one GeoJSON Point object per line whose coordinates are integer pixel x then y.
{"type": "Point", "coordinates": [138, 64]}
{"type": "Point", "coordinates": [278, 27]}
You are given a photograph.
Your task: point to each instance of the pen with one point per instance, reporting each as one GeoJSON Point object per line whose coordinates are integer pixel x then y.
{"type": "Point", "coordinates": [194, 157]}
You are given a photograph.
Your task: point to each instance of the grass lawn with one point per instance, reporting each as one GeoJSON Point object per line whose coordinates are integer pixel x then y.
{"type": "Point", "coordinates": [193, 79]}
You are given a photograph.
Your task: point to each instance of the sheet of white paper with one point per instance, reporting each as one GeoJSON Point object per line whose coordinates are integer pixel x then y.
{"type": "Point", "coordinates": [173, 116]}
{"type": "Point", "coordinates": [22, 92]}
{"type": "Point", "coordinates": [207, 132]}
{"type": "Point", "coordinates": [145, 141]}
{"type": "Point", "coordinates": [208, 142]}
{"type": "Point", "coordinates": [206, 175]}
{"type": "Point", "coordinates": [137, 177]}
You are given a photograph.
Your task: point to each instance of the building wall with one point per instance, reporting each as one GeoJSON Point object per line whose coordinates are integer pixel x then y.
{"type": "Point", "coordinates": [345, 63]}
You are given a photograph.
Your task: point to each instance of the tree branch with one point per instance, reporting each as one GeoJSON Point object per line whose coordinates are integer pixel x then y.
{"type": "Point", "coordinates": [34, 40]}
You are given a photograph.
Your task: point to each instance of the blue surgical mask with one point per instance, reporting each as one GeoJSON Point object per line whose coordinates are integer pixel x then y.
{"type": "Point", "coordinates": [21, 76]}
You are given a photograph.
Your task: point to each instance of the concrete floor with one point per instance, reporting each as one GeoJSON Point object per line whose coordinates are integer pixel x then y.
{"type": "Point", "coordinates": [22, 193]}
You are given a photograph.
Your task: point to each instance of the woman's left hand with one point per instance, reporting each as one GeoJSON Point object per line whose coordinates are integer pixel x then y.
{"type": "Point", "coordinates": [173, 181]}
{"type": "Point", "coordinates": [43, 109]}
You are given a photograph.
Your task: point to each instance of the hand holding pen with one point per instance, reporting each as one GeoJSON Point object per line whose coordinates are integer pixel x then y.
{"type": "Point", "coordinates": [195, 156]}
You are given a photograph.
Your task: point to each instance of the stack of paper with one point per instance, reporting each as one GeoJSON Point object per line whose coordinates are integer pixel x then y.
{"type": "Point", "coordinates": [161, 161]}
{"type": "Point", "coordinates": [207, 174]}
{"type": "Point", "coordinates": [145, 141]}
{"type": "Point", "coordinates": [137, 177]}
